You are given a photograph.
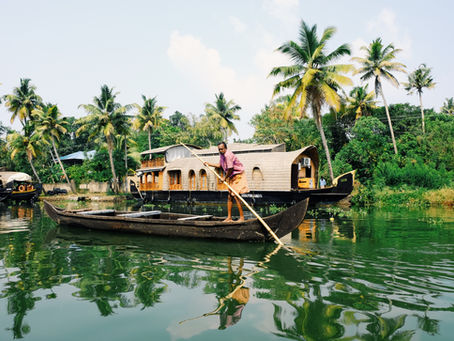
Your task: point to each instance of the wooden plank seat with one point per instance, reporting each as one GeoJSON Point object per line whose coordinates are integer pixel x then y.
{"type": "Point", "coordinates": [140, 214]}
{"type": "Point", "coordinates": [94, 212]}
{"type": "Point", "coordinates": [196, 217]}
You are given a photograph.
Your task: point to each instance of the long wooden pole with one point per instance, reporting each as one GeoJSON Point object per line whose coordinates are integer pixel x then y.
{"type": "Point", "coordinates": [240, 197]}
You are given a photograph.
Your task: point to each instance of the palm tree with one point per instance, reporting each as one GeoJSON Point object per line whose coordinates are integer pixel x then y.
{"type": "Point", "coordinates": [377, 63]}
{"type": "Point", "coordinates": [124, 130]}
{"type": "Point", "coordinates": [103, 119]}
{"type": "Point", "coordinates": [224, 112]}
{"type": "Point", "coordinates": [313, 77]}
{"type": "Point", "coordinates": [360, 102]}
{"type": "Point", "coordinates": [51, 126]}
{"type": "Point", "coordinates": [149, 117]}
{"type": "Point", "coordinates": [417, 81]}
{"type": "Point", "coordinates": [29, 143]}
{"type": "Point", "coordinates": [23, 101]}
{"type": "Point", "coordinates": [448, 106]}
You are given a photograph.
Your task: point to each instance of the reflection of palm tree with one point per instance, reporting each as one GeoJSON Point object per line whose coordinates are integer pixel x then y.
{"type": "Point", "coordinates": [387, 329]}
{"type": "Point", "coordinates": [314, 320]}
{"type": "Point", "coordinates": [429, 325]}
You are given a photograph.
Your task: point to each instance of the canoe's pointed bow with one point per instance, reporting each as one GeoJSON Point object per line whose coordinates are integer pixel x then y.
{"type": "Point", "coordinates": [286, 221]}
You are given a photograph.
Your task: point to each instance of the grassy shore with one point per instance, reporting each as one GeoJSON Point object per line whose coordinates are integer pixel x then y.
{"type": "Point", "coordinates": [403, 196]}
{"type": "Point", "coordinates": [84, 197]}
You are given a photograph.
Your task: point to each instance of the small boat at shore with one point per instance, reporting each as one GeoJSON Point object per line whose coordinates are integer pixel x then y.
{"type": "Point", "coordinates": [181, 225]}
{"type": "Point", "coordinates": [5, 193]}
{"type": "Point", "coordinates": [18, 186]}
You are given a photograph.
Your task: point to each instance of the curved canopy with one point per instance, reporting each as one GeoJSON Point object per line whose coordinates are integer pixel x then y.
{"type": "Point", "coordinates": [7, 177]}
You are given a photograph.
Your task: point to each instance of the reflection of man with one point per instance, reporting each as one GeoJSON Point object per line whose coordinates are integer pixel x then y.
{"type": "Point", "coordinates": [233, 307]}
{"type": "Point", "coordinates": [234, 176]}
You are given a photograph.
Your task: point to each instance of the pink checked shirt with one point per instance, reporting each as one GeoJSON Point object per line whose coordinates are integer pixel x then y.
{"type": "Point", "coordinates": [229, 160]}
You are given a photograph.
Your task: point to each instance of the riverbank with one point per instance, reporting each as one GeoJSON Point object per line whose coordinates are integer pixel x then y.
{"type": "Point", "coordinates": [97, 197]}
{"type": "Point", "coordinates": [361, 196]}
{"type": "Point", "coordinates": [402, 196]}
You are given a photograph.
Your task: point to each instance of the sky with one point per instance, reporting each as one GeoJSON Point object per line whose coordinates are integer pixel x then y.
{"type": "Point", "coordinates": [186, 51]}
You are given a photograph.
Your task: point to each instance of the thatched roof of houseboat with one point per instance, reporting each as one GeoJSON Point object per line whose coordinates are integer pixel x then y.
{"type": "Point", "coordinates": [162, 150]}
{"type": "Point", "coordinates": [240, 148]}
{"type": "Point", "coordinates": [7, 177]}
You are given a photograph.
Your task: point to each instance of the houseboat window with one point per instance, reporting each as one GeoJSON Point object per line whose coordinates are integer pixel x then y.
{"type": "Point", "coordinates": [221, 173]}
{"type": "Point", "coordinates": [257, 178]}
{"type": "Point", "coordinates": [203, 180]}
{"type": "Point", "coordinates": [192, 181]}
{"type": "Point", "coordinates": [156, 178]}
{"type": "Point", "coordinates": [175, 179]}
{"type": "Point", "coordinates": [149, 178]}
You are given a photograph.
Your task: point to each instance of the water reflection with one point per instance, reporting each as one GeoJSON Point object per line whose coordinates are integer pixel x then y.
{"type": "Point", "coordinates": [379, 278]}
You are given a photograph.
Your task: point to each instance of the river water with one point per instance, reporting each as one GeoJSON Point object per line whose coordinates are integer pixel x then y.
{"type": "Point", "coordinates": [377, 275]}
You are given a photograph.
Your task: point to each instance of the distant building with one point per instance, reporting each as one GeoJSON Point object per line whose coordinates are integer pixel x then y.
{"type": "Point", "coordinates": [77, 157]}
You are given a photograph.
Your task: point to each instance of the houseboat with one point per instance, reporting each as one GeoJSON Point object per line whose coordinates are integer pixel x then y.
{"type": "Point", "coordinates": [275, 176]}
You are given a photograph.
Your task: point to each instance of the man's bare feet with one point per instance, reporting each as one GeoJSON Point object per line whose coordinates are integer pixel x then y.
{"type": "Point", "coordinates": [228, 220]}
{"type": "Point", "coordinates": [240, 220]}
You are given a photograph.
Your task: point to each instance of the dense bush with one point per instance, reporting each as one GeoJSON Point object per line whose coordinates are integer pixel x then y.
{"type": "Point", "coordinates": [368, 146]}
{"type": "Point", "coordinates": [413, 173]}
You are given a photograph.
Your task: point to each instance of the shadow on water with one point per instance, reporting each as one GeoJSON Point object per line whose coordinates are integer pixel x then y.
{"type": "Point", "coordinates": [380, 276]}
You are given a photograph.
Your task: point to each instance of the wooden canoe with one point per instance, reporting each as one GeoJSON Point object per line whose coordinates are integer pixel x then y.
{"type": "Point", "coordinates": [182, 225]}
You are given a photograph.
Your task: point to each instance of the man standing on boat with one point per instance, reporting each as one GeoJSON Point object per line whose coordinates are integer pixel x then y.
{"type": "Point", "coordinates": [234, 176]}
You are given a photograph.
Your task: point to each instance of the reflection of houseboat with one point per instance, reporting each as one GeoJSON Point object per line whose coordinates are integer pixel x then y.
{"type": "Point", "coordinates": [19, 186]}
{"type": "Point", "coordinates": [274, 176]}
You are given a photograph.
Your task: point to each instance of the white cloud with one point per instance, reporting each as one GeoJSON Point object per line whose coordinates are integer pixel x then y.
{"type": "Point", "coordinates": [284, 10]}
{"type": "Point", "coordinates": [237, 24]}
{"type": "Point", "coordinates": [204, 64]}
{"type": "Point", "coordinates": [387, 27]}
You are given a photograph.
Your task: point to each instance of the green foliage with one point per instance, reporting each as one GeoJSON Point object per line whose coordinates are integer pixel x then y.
{"type": "Point", "coordinates": [179, 120]}
{"type": "Point", "coordinates": [448, 106]}
{"type": "Point", "coordinates": [368, 146]}
{"type": "Point", "coordinates": [405, 118]}
{"type": "Point", "coordinates": [413, 173]}
{"type": "Point", "coordinates": [71, 143]}
{"type": "Point", "coordinates": [364, 196]}
{"type": "Point", "coordinates": [96, 169]}
{"type": "Point", "coordinates": [439, 141]}
{"type": "Point", "coordinates": [404, 196]}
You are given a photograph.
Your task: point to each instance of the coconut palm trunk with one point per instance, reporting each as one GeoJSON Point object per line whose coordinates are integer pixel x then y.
{"type": "Point", "coordinates": [33, 168]}
{"type": "Point", "coordinates": [110, 148]}
{"type": "Point", "coordinates": [126, 155]}
{"type": "Point", "coordinates": [318, 122]}
{"type": "Point", "coordinates": [149, 140]}
{"type": "Point", "coordinates": [422, 113]}
{"type": "Point", "coordinates": [61, 166]}
{"type": "Point", "coordinates": [388, 116]}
